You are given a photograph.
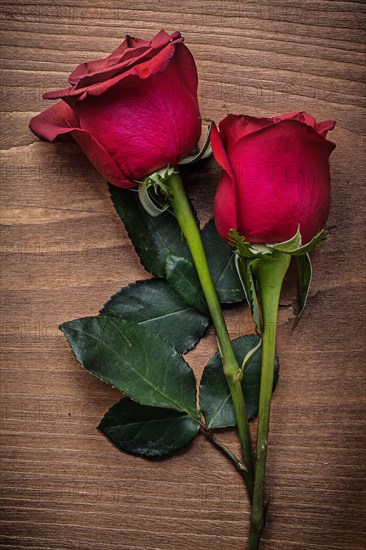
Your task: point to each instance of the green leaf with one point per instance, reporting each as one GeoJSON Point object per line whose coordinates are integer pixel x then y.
{"type": "Point", "coordinates": [154, 239]}
{"type": "Point", "coordinates": [154, 304]}
{"type": "Point", "coordinates": [215, 400]}
{"type": "Point", "coordinates": [134, 360]}
{"type": "Point", "coordinates": [244, 267]}
{"type": "Point", "coordinates": [221, 262]}
{"type": "Point", "coordinates": [182, 276]}
{"type": "Point", "coordinates": [305, 274]}
{"type": "Point", "coordinates": [147, 431]}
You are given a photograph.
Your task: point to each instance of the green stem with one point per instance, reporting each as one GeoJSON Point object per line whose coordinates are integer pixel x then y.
{"type": "Point", "coordinates": [183, 211]}
{"type": "Point", "coordinates": [225, 450]}
{"type": "Point", "coordinates": [269, 274]}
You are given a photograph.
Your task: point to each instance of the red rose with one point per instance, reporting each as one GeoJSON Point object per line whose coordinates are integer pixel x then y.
{"type": "Point", "coordinates": [275, 176]}
{"type": "Point", "coordinates": [132, 113]}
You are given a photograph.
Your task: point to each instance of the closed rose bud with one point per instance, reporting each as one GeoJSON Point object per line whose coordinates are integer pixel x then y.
{"type": "Point", "coordinates": [275, 176]}
{"type": "Point", "coordinates": [132, 113]}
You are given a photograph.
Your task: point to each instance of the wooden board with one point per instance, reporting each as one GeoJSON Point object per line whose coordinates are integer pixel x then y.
{"type": "Point", "coordinates": [64, 252]}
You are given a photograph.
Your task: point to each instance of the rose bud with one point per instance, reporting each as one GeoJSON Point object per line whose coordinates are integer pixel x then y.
{"type": "Point", "coordinates": [132, 113]}
{"type": "Point", "coordinates": [275, 177]}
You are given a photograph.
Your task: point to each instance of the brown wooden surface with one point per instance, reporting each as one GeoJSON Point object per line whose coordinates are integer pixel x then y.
{"type": "Point", "coordinates": [64, 252]}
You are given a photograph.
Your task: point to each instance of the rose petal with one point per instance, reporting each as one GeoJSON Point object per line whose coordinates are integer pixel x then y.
{"type": "Point", "coordinates": [324, 127]}
{"type": "Point", "coordinates": [321, 127]}
{"type": "Point", "coordinates": [55, 121]}
{"type": "Point", "coordinates": [225, 206]}
{"type": "Point", "coordinates": [284, 175]}
{"type": "Point", "coordinates": [225, 197]}
{"type": "Point", "coordinates": [131, 50]}
{"type": "Point", "coordinates": [60, 121]}
{"type": "Point", "coordinates": [235, 127]}
{"type": "Point", "coordinates": [96, 77]}
{"type": "Point", "coordinates": [219, 151]}
{"type": "Point", "coordinates": [301, 116]}
{"type": "Point", "coordinates": [146, 124]}
{"type": "Point", "coordinates": [309, 119]}
{"type": "Point", "coordinates": [125, 52]}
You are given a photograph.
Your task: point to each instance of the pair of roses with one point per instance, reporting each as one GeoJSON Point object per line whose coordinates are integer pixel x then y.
{"type": "Point", "coordinates": [135, 114]}
{"type": "Point", "coordinates": [137, 111]}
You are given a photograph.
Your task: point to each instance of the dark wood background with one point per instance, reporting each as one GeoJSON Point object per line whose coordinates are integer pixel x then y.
{"type": "Point", "coordinates": [64, 252]}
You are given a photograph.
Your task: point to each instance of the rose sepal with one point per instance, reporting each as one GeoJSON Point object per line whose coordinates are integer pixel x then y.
{"type": "Point", "coordinates": [305, 275]}
{"type": "Point", "coordinates": [247, 257]}
{"type": "Point", "coordinates": [246, 249]}
{"type": "Point", "coordinates": [153, 191]}
{"type": "Point", "coordinates": [200, 153]}
{"type": "Point", "coordinates": [293, 246]}
{"type": "Point", "coordinates": [289, 246]}
{"type": "Point", "coordinates": [312, 245]}
{"type": "Point", "coordinates": [244, 267]}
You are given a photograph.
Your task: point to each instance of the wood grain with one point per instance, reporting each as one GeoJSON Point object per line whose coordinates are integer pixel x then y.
{"type": "Point", "coordinates": [64, 252]}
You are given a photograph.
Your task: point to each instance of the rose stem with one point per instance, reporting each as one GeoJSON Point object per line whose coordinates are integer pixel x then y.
{"type": "Point", "coordinates": [226, 451]}
{"type": "Point", "coordinates": [183, 212]}
{"type": "Point", "coordinates": [269, 274]}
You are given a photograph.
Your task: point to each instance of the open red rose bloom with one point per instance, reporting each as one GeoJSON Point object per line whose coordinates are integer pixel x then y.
{"type": "Point", "coordinates": [275, 176]}
{"type": "Point", "coordinates": [132, 113]}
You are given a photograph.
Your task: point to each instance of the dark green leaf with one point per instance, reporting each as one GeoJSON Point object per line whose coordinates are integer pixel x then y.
{"type": "Point", "coordinates": [215, 399]}
{"type": "Point", "coordinates": [135, 360]}
{"type": "Point", "coordinates": [182, 276]}
{"type": "Point", "coordinates": [305, 273]}
{"type": "Point", "coordinates": [244, 266]}
{"type": "Point", "coordinates": [154, 304]}
{"type": "Point", "coordinates": [147, 431]}
{"type": "Point", "coordinates": [221, 261]}
{"type": "Point", "coordinates": [154, 239]}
